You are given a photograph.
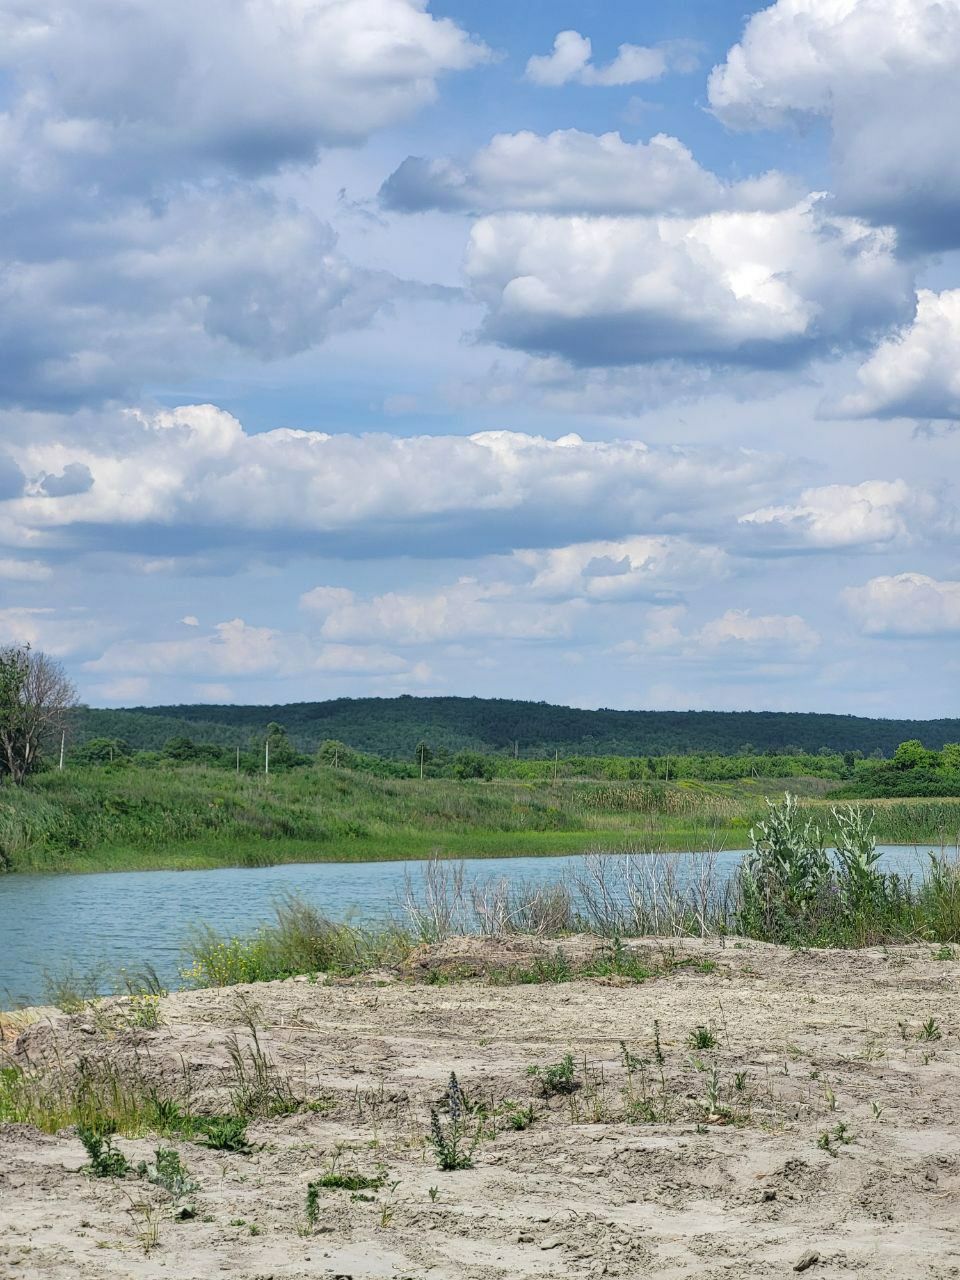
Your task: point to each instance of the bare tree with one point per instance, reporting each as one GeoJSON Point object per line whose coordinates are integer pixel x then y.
{"type": "Point", "coordinates": [35, 702]}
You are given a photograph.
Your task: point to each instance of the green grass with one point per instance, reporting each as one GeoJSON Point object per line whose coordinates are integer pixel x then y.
{"type": "Point", "coordinates": [103, 819]}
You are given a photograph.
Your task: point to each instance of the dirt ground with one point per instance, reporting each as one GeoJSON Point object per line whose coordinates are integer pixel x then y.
{"type": "Point", "coordinates": [715, 1168]}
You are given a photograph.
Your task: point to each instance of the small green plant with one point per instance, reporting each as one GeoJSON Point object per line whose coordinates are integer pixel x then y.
{"type": "Point", "coordinates": [353, 1181]}
{"type": "Point", "coordinates": [105, 1160]}
{"type": "Point", "coordinates": [740, 1081]}
{"type": "Point", "coordinates": [144, 1011]}
{"type": "Point", "coordinates": [433, 1193]}
{"type": "Point", "coordinates": [944, 953]}
{"type": "Point", "coordinates": [702, 1038]}
{"type": "Point", "coordinates": [518, 1117]}
{"type": "Point", "coordinates": [449, 1141]}
{"type": "Point", "coordinates": [168, 1172]}
{"type": "Point", "coordinates": [877, 1110]}
{"type": "Point", "coordinates": [930, 1030]}
{"type": "Point", "coordinates": [224, 1133]}
{"type": "Point", "coordinates": [558, 1077]}
{"type": "Point", "coordinates": [840, 1133]}
{"type": "Point", "coordinates": [313, 1203]}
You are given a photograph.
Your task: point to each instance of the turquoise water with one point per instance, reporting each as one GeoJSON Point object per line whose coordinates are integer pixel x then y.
{"type": "Point", "coordinates": [125, 920]}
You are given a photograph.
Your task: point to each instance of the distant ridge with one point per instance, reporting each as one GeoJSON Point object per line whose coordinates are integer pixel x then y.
{"type": "Point", "coordinates": [393, 726]}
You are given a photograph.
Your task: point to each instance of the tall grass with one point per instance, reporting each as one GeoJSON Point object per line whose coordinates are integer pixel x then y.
{"type": "Point", "coordinates": [299, 940]}
{"type": "Point", "coordinates": [95, 818]}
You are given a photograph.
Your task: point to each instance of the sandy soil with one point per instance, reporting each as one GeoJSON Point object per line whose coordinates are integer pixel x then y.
{"type": "Point", "coordinates": [728, 1185]}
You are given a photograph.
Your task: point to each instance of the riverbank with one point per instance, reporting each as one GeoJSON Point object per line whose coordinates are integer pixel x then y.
{"type": "Point", "coordinates": [743, 1109]}
{"type": "Point", "coordinates": [124, 819]}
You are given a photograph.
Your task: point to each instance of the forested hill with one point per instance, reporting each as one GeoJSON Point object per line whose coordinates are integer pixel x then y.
{"type": "Point", "coordinates": [393, 727]}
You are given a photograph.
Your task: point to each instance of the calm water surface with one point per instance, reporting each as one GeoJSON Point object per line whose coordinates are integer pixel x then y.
{"type": "Point", "coordinates": [124, 920]}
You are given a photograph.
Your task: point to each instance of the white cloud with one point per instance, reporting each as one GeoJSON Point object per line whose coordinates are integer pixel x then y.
{"type": "Point", "coordinates": [737, 635]}
{"type": "Point", "coordinates": [873, 514]}
{"type": "Point", "coordinates": [148, 292]}
{"type": "Point", "coordinates": [24, 570]}
{"type": "Point", "coordinates": [463, 610]}
{"type": "Point", "coordinates": [884, 73]}
{"type": "Point", "coordinates": [621, 570]}
{"type": "Point", "coordinates": [138, 245]}
{"type": "Point", "coordinates": [906, 604]}
{"type": "Point", "coordinates": [571, 60]}
{"type": "Point", "coordinates": [570, 171]}
{"type": "Point", "coordinates": [249, 85]}
{"type": "Point", "coordinates": [193, 471]}
{"type": "Point", "coordinates": [237, 648]}
{"type": "Point", "coordinates": [916, 372]}
{"type": "Point", "coordinates": [190, 621]}
{"type": "Point", "coordinates": [745, 288]}
{"type": "Point", "coordinates": [740, 628]}
{"type": "Point", "coordinates": [131, 689]}
{"type": "Point", "coordinates": [60, 634]}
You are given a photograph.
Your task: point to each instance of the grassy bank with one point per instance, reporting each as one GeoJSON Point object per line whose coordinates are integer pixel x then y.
{"type": "Point", "coordinates": [97, 819]}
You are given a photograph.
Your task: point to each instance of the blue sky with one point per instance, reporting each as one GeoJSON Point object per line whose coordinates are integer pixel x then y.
{"type": "Point", "coordinates": [603, 353]}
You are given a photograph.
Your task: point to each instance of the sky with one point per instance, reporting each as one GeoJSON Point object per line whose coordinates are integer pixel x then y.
{"type": "Point", "coordinates": [605, 353]}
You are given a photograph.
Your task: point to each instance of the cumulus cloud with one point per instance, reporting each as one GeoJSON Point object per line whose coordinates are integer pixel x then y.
{"type": "Point", "coordinates": [137, 243]}
{"type": "Point", "coordinates": [570, 171]}
{"type": "Point", "coordinates": [906, 604]}
{"type": "Point", "coordinates": [621, 570]}
{"type": "Point", "coordinates": [152, 292]}
{"type": "Point", "coordinates": [464, 610]}
{"type": "Point", "coordinates": [62, 634]}
{"type": "Point", "coordinates": [883, 73]}
{"type": "Point", "coordinates": [571, 59]}
{"type": "Point", "coordinates": [742, 629]}
{"type": "Point", "coordinates": [248, 86]}
{"type": "Point", "coordinates": [539, 595]}
{"type": "Point", "coordinates": [752, 288]}
{"type": "Point", "coordinates": [24, 570]}
{"type": "Point", "coordinates": [738, 634]}
{"type": "Point", "coordinates": [179, 479]}
{"type": "Point", "coordinates": [915, 373]}
{"type": "Point", "coordinates": [239, 649]}
{"type": "Point", "coordinates": [874, 514]}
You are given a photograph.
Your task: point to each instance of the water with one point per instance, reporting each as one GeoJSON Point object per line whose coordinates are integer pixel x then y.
{"type": "Point", "coordinates": [125, 920]}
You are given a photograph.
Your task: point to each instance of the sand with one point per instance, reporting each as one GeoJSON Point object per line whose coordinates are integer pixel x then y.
{"type": "Point", "coordinates": [732, 1183]}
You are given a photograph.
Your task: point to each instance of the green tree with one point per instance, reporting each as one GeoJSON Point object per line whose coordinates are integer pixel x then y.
{"type": "Point", "coordinates": [914, 755]}
{"type": "Point", "coordinates": [35, 702]}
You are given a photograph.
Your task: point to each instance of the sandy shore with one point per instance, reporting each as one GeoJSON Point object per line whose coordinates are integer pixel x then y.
{"type": "Point", "coordinates": [723, 1178]}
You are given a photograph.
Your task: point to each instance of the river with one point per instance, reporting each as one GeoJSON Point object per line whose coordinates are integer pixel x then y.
{"type": "Point", "coordinates": [116, 921]}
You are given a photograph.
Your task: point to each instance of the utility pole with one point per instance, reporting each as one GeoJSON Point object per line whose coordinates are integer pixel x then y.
{"type": "Point", "coordinates": [266, 757]}
{"type": "Point", "coordinates": [63, 739]}
{"type": "Point", "coordinates": [421, 762]}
